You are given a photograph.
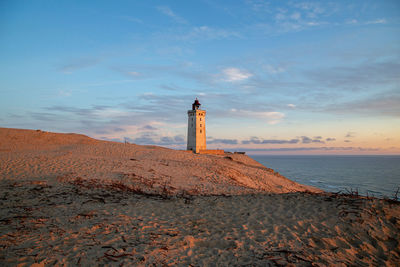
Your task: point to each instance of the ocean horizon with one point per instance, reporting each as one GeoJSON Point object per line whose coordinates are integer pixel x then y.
{"type": "Point", "coordinates": [372, 175]}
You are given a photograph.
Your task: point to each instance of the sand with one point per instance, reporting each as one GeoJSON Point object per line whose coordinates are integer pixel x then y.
{"type": "Point", "coordinates": [27, 154]}
{"type": "Point", "coordinates": [70, 200]}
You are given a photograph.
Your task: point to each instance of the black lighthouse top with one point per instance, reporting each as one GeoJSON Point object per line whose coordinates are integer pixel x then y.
{"type": "Point", "coordinates": [196, 105]}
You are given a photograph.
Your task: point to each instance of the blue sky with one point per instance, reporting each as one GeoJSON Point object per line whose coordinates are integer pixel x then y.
{"type": "Point", "coordinates": [291, 77]}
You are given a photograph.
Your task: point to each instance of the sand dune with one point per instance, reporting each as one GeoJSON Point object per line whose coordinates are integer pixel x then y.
{"type": "Point", "coordinates": [71, 200]}
{"type": "Point", "coordinates": [38, 154]}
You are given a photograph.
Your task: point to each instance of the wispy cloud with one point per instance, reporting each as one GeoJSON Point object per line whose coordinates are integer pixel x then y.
{"type": "Point", "coordinates": [148, 128]}
{"type": "Point", "coordinates": [291, 106]}
{"type": "Point", "coordinates": [298, 140]}
{"type": "Point", "coordinates": [168, 12]}
{"type": "Point", "coordinates": [308, 140]}
{"type": "Point", "coordinates": [351, 21]}
{"type": "Point", "coordinates": [235, 74]}
{"type": "Point", "coordinates": [274, 70]}
{"type": "Point", "coordinates": [181, 70]}
{"type": "Point", "coordinates": [134, 74]}
{"type": "Point", "coordinates": [354, 21]}
{"type": "Point", "coordinates": [197, 34]}
{"type": "Point", "coordinates": [210, 33]}
{"type": "Point", "coordinates": [157, 139]}
{"type": "Point", "coordinates": [271, 117]}
{"type": "Point", "coordinates": [381, 104]}
{"type": "Point", "coordinates": [297, 16]}
{"type": "Point", "coordinates": [311, 9]}
{"type": "Point", "coordinates": [377, 21]}
{"type": "Point", "coordinates": [211, 140]}
{"type": "Point", "coordinates": [359, 76]}
{"type": "Point", "coordinates": [258, 141]}
{"type": "Point", "coordinates": [64, 93]}
{"type": "Point", "coordinates": [331, 149]}
{"type": "Point", "coordinates": [259, 5]}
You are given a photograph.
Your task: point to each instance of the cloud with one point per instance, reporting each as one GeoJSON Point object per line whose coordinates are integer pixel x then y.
{"type": "Point", "coordinates": [308, 140]}
{"type": "Point", "coordinates": [148, 128]}
{"type": "Point", "coordinates": [382, 104]}
{"type": "Point", "coordinates": [64, 93]}
{"type": "Point", "coordinates": [93, 111]}
{"type": "Point", "coordinates": [130, 118]}
{"type": "Point", "coordinates": [168, 12]}
{"type": "Point", "coordinates": [377, 21]}
{"type": "Point", "coordinates": [156, 139]}
{"type": "Point", "coordinates": [117, 129]}
{"type": "Point", "coordinates": [222, 141]}
{"type": "Point", "coordinates": [329, 139]}
{"type": "Point", "coordinates": [272, 117]}
{"type": "Point", "coordinates": [196, 34]}
{"type": "Point", "coordinates": [351, 21]}
{"type": "Point", "coordinates": [302, 139]}
{"type": "Point", "coordinates": [235, 74]}
{"type": "Point", "coordinates": [208, 33]}
{"type": "Point", "coordinates": [46, 117]}
{"type": "Point", "coordinates": [274, 70]}
{"type": "Point", "coordinates": [314, 23]}
{"type": "Point", "coordinates": [312, 9]}
{"type": "Point", "coordinates": [259, 5]}
{"type": "Point", "coordinates": [291, 105]}
{"type": "Point", "coordinates": [288, 149]}
{"type": "Point", "coordinates": [281, 15]}
{"type": "Point", "coordinates": [256, 140]}
{"type": "Point", "coordinates": [358, 77]}
{"type": "Point", "coordinates": [350, 135]}
{"type": "Point", "coordinates": [134, 73]}
{"type": "Point", "coordinates": [131, 72]}
{"type": "Point", "coordinates": [253, 140]}
{"type": "Point", "coordinates": [291, 141]}
{"type": "Point", "coordinates": [182, 70]}
{"type": "Point", "coordinates": [295, 16]}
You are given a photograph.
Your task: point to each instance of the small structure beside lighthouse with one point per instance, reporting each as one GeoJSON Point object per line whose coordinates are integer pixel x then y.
{"type": "Point", "coordinates": [196, 140]}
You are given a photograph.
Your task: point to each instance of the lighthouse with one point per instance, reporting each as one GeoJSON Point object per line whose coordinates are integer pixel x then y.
{"type": "Point", "coordinates": [196, 140]}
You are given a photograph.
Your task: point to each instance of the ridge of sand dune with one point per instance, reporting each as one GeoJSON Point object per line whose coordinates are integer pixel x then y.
{"type": "Point", "coordinates": [30, 154]}
{"type": "Point", "coordinates": [20, 139]}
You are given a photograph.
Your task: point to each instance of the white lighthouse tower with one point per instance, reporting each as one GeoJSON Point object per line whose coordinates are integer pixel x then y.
{"type": "Point", "coordinates": [196, 140]}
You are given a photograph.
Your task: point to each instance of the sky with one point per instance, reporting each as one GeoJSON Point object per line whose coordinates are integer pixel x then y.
{"type": "Point", "coordinates": [275, 77]}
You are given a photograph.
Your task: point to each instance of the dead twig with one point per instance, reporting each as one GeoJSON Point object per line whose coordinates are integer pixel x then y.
{"type": "Point", "coordinates": [109, 247]}
{"type": "Point", "coordinates": [117, 256]}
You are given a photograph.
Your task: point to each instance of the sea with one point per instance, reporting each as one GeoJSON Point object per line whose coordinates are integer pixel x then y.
{"type": "Point", "coordinates": [377, 176]}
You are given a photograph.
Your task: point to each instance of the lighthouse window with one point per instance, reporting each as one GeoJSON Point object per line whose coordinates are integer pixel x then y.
{"type": "Point", "coordinates": [200, 125]}
{"type": "Point", "coordinates": [200, 119]}
{"type": "Point", "coordinates": [200, 131]}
